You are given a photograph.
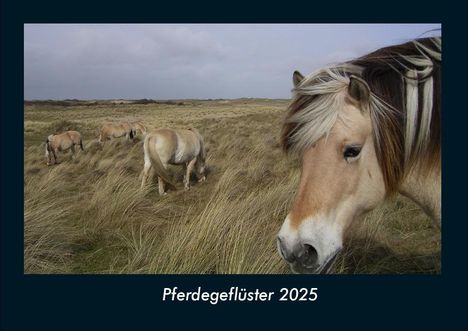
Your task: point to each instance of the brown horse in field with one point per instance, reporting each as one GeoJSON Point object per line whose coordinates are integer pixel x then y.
{"type": "Point", "coordinates": [178, 147]}
{"type": "Point", "coordinates": [365, 129]}
{"type": "Point", "coordinates": [62, 142]}
{"type": "Point", "coordinates": [111, 131]}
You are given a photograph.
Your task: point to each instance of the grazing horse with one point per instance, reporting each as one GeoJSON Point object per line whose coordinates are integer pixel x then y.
{"type": "Point", "coordinates": [365, 129]}
{"type": "Point", "coordinates": [110, 131]}
{"type": "Point", "coordinates": [177, 147]}
{"type": "Point", "coordinates": [138, 126]}
{"type": "Point", "coordinates": [62, 142]}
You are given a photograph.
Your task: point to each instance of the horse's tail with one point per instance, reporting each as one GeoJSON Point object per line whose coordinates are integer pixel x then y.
{"type": "Point", "coordinates": [156, 163]}
{"type": "Point", "coordinates": [81, 144]}
{"type": "Point", "coordinates": [47, 142]}
{"type": "Point", "coordinates": [47, 147]}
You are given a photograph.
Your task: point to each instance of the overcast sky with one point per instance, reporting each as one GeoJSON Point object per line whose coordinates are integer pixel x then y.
{"type": "Point", "coordinates": [174, 61]}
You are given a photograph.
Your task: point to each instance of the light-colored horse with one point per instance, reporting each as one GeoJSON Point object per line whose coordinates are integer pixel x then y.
{"type": "Point", "coordinates": [111, 131]}
{"type": "Point", "coordinates": [138, 127]}
{"type": "Point", "coordinates": [365, 129]}
{"type": "Point", "coordinates": [178, 147]}
{"type": "Point", "coordinates": [62, 142]}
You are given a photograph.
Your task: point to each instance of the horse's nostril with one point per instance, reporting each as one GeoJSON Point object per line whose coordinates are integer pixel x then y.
{"type": "Point", "coordinates": [309, 256]}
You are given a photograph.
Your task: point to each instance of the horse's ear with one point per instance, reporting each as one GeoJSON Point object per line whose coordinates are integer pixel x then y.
{"type": "Point", "coordinates": [297, 78]}
{"type": "Point", "coordinates": [358, 89]}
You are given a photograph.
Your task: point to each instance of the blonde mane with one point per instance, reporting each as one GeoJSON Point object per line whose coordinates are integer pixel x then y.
{"type": "Point", "coordinates": [404, 106]}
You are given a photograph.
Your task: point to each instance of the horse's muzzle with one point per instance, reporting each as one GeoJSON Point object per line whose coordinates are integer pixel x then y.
{"type": "Point", "coordinates": [304, 255]}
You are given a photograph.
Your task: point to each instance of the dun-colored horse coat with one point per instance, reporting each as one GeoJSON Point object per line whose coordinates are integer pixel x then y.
{"type": "Point", "coordinates": [178, 147]}
{"type": "Point", "coordinates": [111, 131]}
{"type": "Point", "coordinates": [62, 142]}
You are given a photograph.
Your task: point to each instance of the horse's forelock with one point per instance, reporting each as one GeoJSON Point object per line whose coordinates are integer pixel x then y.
{"type": "Point", "coordinates": [315, 107]}
{"type": "Point", "coordinates": [298, 104]}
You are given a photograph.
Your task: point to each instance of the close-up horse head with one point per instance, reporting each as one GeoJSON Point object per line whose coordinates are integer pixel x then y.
{"type": "Point", "coordinates": [364, 130]}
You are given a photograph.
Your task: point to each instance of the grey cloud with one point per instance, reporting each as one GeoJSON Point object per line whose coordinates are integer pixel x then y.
{"type": "Point", "coordinates": [189, 61]}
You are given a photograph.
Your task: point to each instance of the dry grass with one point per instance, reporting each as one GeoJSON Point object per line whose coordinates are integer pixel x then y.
{"type": "Point", "coordinates": [88, 215]}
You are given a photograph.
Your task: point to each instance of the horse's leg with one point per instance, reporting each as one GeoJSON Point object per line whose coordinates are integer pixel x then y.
{"type": "Point", "coordinates": [189, 171]}
{"type": "Point", "coordinates": [55, 151]}
{"type": "Point", "coordinates": [73, 151]}
{"type": "Point", "coordinates": [145, 174]}
{"type": "Point", "coordinates": [104, 137]}
{"type": "Point", "coordinates": [161, 186]}
{"type": "Point", "coordinates": [184, 167]}
{"type": "Point", "coordinates": [47, 153]}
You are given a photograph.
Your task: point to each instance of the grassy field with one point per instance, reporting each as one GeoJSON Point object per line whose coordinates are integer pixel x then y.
{"type": "Point", "coordinates": [88, 215]}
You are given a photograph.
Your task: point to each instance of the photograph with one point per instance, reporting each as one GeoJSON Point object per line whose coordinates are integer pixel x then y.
{"type": "Point", "coordinates": [215, 149]}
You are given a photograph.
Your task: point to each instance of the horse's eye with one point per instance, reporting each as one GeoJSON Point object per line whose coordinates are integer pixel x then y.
{"type": "Point", "coordinates": [351, 152]}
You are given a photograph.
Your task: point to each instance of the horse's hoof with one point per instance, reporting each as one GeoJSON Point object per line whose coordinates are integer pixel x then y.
{"type": "Point", "coordinates": [202, 179]}
{"type": "Point", "coordinates": [187, 188]}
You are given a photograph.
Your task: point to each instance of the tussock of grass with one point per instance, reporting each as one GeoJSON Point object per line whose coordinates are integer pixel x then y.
{"type": "Point", "coordinates": [47, 227]}
{"type": "Point", "coordinates": [88, 215]}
